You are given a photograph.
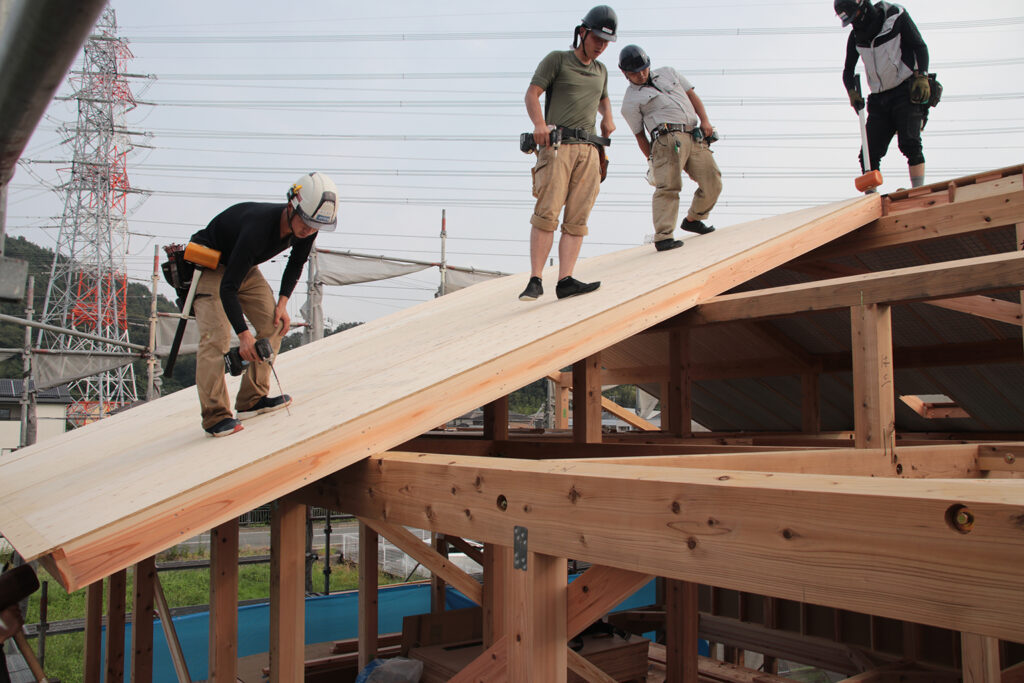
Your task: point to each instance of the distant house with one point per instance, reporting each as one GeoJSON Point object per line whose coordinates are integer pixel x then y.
{"type": "Point", "coordinates": [51, 407]}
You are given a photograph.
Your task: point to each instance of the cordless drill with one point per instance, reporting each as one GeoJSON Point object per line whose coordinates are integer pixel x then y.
{"type": "Point", "coordinates": [236, 365]}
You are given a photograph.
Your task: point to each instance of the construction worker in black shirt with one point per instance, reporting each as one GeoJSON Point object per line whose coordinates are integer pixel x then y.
{"type": "Point", "coordinates": [895, 60]}
{"type": "Point", "coordinates": [246, 235]}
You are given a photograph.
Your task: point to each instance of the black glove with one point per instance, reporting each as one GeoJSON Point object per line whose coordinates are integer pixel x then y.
{"type": "Point", "coordinates": [920, 91]}
{"type": "Point", "coordinates": [856, 100]}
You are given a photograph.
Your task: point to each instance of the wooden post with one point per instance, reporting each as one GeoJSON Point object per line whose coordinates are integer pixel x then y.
{"type": "Point", "coordinates": [1020, 247]}
{"type": "Point", "coordinates": [367, 595]}
{"type": "Point", "coordinates": [287, 597]}
{"type": "Point", "coordinates": [537, 599]}
{"type": "Point", "coordinates": [224, 603]}
{"type": "Point", "coordinates": [810, 402]}
{"type": "Point", "coordinates": [93, 655]}
{"type": "Point", "coordinates": [496, 419]}
{"type": "Point", "coordinates": [142, 622]}
{"type": "Point", "coordinates": [980, 659]}
{"type": "Point", "coordinates": [115, 627]}
{"type": "Point", "coordinates": [562, 407]}
{"type": "Point", "coordinates": [873, 388]}
{"type": "Point", "coordinates": [497, 564]}
{"type": "Point", "coordinates": [586, 400]}
{"type": "Point", "coordinates": [438, 588]}
{"type": "Point", "coordinates": [679, 415]}
{"type": "Point", "coordinates": [681, 631]}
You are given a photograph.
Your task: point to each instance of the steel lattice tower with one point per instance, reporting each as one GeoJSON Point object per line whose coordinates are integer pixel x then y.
{"type": "Point", "coordinates": [88, 280]}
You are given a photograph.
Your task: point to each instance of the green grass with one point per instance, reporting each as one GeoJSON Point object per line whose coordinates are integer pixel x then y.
{"type": "Point", "coordinates": [182, 587]}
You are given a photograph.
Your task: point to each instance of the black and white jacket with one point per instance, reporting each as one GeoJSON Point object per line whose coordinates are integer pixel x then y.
{"type": "Point", "coordinates": [891, 49]}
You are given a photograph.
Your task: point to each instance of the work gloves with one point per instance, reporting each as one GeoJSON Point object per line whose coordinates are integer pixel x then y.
{"type": "Point", "coordinates": [856, 99]}
{"type": "Point", "coordinates": [920, 91]}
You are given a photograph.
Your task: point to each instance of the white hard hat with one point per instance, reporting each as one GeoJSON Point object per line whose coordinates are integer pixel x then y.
{"type": "Point", "coordinates": [315, 198]}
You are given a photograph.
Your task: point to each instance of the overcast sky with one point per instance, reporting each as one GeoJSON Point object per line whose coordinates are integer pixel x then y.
{"type": "Point", "coordinates": [415, 107]}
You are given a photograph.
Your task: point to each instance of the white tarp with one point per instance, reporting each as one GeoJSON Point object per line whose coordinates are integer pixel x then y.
{"type": "Point", "coordinates": [165, 328]}
{"type": "Point", "coordinates": [456, 279]}
{"type": "Point", "coordinates": [348, 269]}
{"type": "Point", "coordinates": [53, 369]}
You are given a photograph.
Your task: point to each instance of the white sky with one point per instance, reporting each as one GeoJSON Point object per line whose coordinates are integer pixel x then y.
{"type": "Point", "coordinates": [416, 107]}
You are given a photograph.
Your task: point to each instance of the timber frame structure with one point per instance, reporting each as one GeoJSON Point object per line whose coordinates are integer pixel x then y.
{"type": "Point", "coordinates": [837, 513]}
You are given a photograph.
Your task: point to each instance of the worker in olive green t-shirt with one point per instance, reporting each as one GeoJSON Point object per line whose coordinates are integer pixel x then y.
{"type": "Point", "coordinates": [576, 88]}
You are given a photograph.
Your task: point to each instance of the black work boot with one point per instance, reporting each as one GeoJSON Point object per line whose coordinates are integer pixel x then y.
{"type": "Point", "coordinates": [696, 226]}
{"type": "Point", "coordinates": [665, 245]}
{"type": "Point", "coordinates": [533, 290]}
{"type": "Point", "coordinates": [570, 286]}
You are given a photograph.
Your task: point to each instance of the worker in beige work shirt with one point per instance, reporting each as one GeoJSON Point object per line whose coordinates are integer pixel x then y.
{"type": "Point", "coordinates": [664, 103]}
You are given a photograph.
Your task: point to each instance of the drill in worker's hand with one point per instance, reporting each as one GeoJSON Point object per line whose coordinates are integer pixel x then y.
{"type": "Point", "coordinates": [528, 144]}
{"type": "Point", "coordinates": [236, 365]}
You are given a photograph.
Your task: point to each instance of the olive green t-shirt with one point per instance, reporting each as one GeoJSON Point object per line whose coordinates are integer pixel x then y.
{"type": "Point", "coordinates": [573, 89]}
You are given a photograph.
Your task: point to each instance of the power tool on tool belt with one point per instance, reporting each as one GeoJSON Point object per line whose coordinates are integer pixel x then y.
{"type": "Point", "coordinates": [236, 365]}
{"type": "Point", "coordinates": [528, 145]}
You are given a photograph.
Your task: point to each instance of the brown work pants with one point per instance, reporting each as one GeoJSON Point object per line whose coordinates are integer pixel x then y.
{"type": "Point", "coordinates": [672, 154]}
{"type": "Point", "coordinates": [258, 304]}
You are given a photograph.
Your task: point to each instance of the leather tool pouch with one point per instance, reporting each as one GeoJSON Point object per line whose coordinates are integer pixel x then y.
{"type": "Point", "coordinates": [603, 160]}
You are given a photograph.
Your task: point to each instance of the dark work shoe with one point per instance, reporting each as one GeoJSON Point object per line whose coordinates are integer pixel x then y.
{"type": "Point", "coordinates": [570, 286]}
{"type": "Point", "coordinates": [533, 290]}
{"type": "Point", "coordinates": [225, 427]}
{"type": "Point", "coordinates": [696, 226]}
{"type": "Point", "coordinates": [265, 405]}
{"type": "Point", "coordinates": [665, 245]}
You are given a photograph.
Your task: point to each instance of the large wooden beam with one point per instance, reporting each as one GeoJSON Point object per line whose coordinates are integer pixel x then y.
{"type": "Point", "coordinates": [873, 377]}
{"type": "Point", "coordinates": [223, 639]}
{"type": "Point", "coordinates": [536, 599]}
{"type": "Point", "coordinates": [497, 564]}
{"type": "Point", "coordinates": [287, 591]}
{"type": "Point", "coordinates": [920, 283]}
{"type": "Point", "coordinates": [681, 612]}
{"type": "Point", "coordinates": [803, 536]}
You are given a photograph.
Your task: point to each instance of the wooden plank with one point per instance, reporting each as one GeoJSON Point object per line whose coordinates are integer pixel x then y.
{"type": "Point", "coordinates": [980, 659]}
{"type": "Point", "coordinates": [142, 621]}
{"type": "Point", "coordinates": [116, 611]}
{"type": "Point", "coordinates": [496, 419]}
{"type": "Point", "coordinates": [810, 402]}
{"type": "Point", "coordinates": [497, 563]}
{"type": "Point", "coordinates": [437, 584]}
{"type": "Point", "coordinates": [92, 654]}
{"type": "Point", "coordinates": [548, 617]}
{"type": "Point", "coordinates": [983, 307]}
{"type": "Point", "coordinates": [903, 285]}
{"type": "Point", "coordinates": [873, 377]}
{"type": "Point", "coordinates": [471, 551]}
{"type": "Point", "coordinates": [1004, 457]}
{"type": "Point", "coordinates": [518, 613]}
{"type": "Point", "coordinates": [596, 592]}
{"type": "Point", "coordinates": [624, 517]}
{"type": "Point", "coordinates": [627, 415]}
{"type": "Point", "coordinates": [490, 666]}
{"type": "Point", "coordinates": [681, 632]}
{"type": "Point", "coordinates": [171, 635]}
{"type": "Point", "coordinates": [368, 592]}
{"type": "Point", "coordinates": [287, 591]}
{"type": "Point", "coordinates": [582, 667]}
{"type": "Point", "coordinates": [1014, 674]}
{"type": "Point", "coordinates": [223, 638]}
{"type": "Point", "coordinates": [359, 393]}
{"type": "Point", "coordinates": [415, 548]}
{"type": "Point", "coordinates": [586, 404]}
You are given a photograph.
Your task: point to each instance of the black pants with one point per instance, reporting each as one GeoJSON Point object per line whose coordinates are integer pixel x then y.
{"type": "Point", "coordinates": [4, 676]}
{"type": "Point", "coordinates": [892, 113]}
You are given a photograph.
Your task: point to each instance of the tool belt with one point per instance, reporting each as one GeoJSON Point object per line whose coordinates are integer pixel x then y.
{"type": "Point", "coordinates": [664, 128]}
{"type": "Point", "coordinates": [582, 135]}
{"type": "Point", "coordinates": [181, 263]}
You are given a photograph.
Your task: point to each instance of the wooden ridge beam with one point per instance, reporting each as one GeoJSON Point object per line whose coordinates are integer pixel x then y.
{"type": "Point", "coordinates": [804, 536]}
{"type": "Point", "coordinates": [415, 548]}
{"type": "Point", "coordinates": [903, 285]}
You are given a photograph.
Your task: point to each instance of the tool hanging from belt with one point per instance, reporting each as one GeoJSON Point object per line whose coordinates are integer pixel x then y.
{"type": "Point", "coordinates": [697, 133]}
{"type": "Point", "coordinates": [182, 269]}
{"type": "Point", "coordinates": [598, 141]}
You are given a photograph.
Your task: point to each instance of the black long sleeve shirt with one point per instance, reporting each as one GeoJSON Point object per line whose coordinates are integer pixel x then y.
{"type": "Point", "coordinates": [246, 235]}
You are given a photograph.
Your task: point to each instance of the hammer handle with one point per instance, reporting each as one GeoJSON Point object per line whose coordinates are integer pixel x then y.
{"type": "Point", "coordinates": [30, 657]}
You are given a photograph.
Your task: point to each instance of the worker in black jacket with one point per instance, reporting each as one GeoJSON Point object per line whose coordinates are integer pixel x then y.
{"type": "Point", "coordinates": [247, 235]}
{"type": "Point", "coordinates": [895, 60]}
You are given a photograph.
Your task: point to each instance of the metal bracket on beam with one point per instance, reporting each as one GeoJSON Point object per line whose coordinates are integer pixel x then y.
{"type": "Point", "coordinates": [519, 538]}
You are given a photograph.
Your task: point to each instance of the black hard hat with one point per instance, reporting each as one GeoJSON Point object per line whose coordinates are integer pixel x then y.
{"type": "Point", "coordinates": [632, 59]}
{"type": "Point", "coordinates": [603, 21]}
{"type": "Point", "coordinates": [847, 10]}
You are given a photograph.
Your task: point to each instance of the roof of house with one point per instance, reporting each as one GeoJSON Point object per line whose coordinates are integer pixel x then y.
{"type": "Point", "coordinates": [11, 391]}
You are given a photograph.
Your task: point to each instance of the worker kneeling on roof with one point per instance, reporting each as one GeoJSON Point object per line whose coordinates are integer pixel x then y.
{"type": "Point", "coordinates": [247, 235]}
{"type": "Point", "coordinates": [663, 102]}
